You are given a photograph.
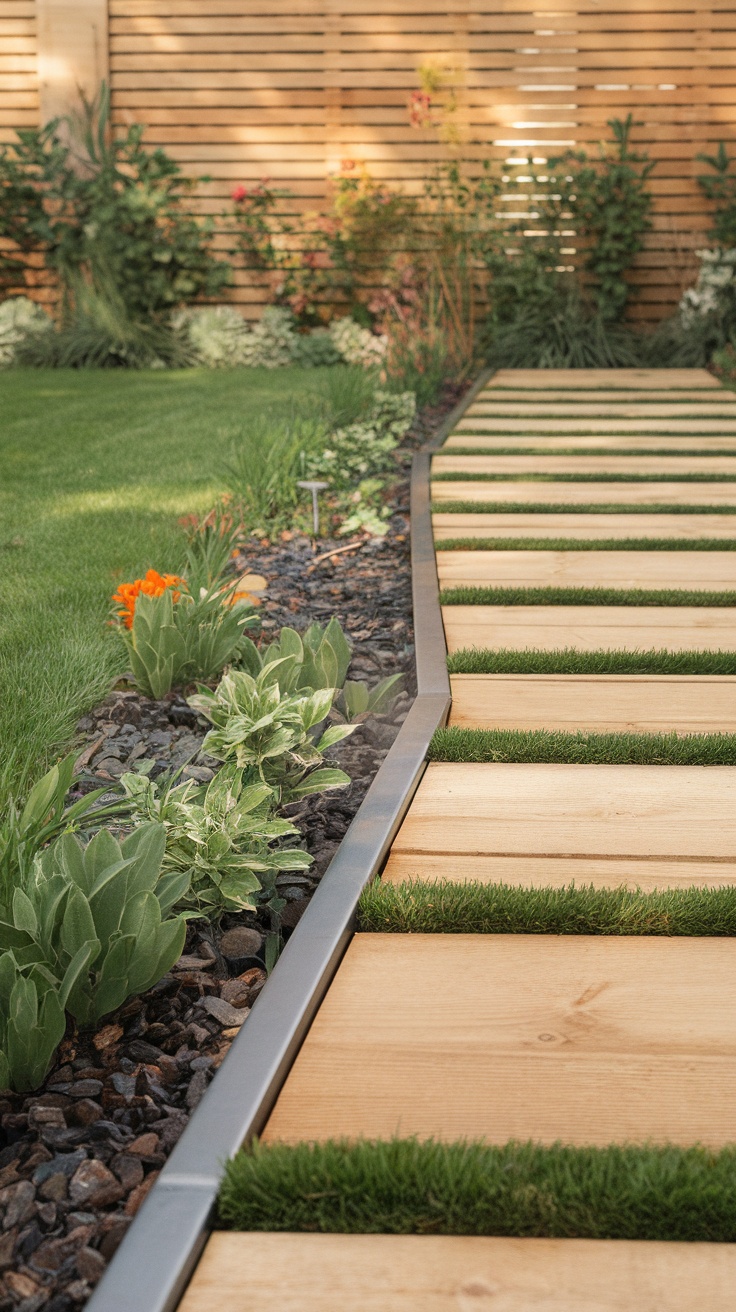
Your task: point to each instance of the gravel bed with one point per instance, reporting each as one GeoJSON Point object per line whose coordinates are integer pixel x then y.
{"type": "Point", "coordinates": [78, 1157]}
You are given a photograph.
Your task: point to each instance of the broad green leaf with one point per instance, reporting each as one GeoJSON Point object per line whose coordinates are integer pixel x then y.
{"type": "Point", "coordinates": [24, 916]}
{"type": "Point", "coordinates": [319, 781]}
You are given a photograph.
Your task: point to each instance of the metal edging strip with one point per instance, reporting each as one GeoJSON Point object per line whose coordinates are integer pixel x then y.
{"type": "Point", "coordinates": [152, 1267]}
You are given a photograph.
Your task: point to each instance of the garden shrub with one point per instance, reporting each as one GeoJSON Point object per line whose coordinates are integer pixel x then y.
{"type": "Point", "coordinates": [20, 319]}
{"type": "Point", "coordinates": [121, 219]}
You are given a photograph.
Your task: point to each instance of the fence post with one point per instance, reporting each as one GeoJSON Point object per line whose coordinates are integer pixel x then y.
{"type": "Point", "coordinates": [72, 53]}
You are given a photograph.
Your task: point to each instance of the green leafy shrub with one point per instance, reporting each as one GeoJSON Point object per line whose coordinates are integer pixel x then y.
{"type": "Point", "coordinates": [719, 186]}
{"type": "Point", "coordinates": [268, 458]}
{"type": "Point", "coordinates": [175, 637]}
{"type": "Point", "coordinates": [20, 319]}
{"type": "Point", "coordinates": [319, 658]}
{"type": "Point", "coordinates": [106, 906]}
{"type": "Point", "coordinates": [222, 835]}
{"type": "Point", "coordinates": [45, 815]}
{"type": "Point", "coordinates": [365, 449]}
{"type": "Point", "coordinates": [122, 216]}
{"type": "Point", "coordinates": [272, 735]}
{"type": "Point", "coordinates": [32, 1020]}
{"type": "Point", "coordinates": [316, 350]}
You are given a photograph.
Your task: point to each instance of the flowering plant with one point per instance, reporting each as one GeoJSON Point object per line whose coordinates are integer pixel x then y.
{"type": "Point", "coordinates": [152, 585]}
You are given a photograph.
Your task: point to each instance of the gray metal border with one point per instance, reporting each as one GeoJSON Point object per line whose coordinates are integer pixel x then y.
{"type": "Point", "coordinates": [154, 1263]}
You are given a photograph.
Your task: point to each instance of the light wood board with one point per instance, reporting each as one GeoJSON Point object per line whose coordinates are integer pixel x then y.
{"type": "Point", "coordinates": [704, 570]}
{"type": "Point", "coordinates": [517, 524]}
{"type": "Point", "coordinates": [443, 1273]}
{"type": "Point", "coordinates": [486, 404]}
{"type": "Point", "coordinates": [525, 871]}
{"type": "Point", "coordinates": [583, 1040]}
{"type": "Point", "coordinates": [631, 379]}
{"type": "Point", "coordinates": [693, 425]}
{"type": "Point", "coordinates": [570, 397]}
{"type": "Point", "coordinates": [623, 442]}
{"type": "Point", "coordinates": [591, 628]}
{"type": "Point", "coordinates": [583, 494]}
{"type": "Point", "coordinates": [600, 703]}
{"type": "Point", "coordinates": [668, 466]}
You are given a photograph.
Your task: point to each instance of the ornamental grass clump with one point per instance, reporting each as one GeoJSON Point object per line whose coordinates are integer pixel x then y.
{"type": "Point", "coordinates": [275, 737]}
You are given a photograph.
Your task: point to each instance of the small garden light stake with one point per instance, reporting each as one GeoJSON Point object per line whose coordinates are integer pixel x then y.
{"type": "Point", "coordinates": [315, 487]}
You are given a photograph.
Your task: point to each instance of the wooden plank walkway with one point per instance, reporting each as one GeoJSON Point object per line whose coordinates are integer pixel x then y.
{"type": "Point", "coordinates": [580, 1039]}
{"type": "Point", "coordinates": [441, 1273]}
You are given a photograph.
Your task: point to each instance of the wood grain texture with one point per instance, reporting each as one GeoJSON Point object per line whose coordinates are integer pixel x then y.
{"type": "Point", "coordinates": [582, 494]}
{"type": "Point", "coordinates": [586, 379]}
{"type": "Point", "coordinates": [622, 442]}
{"type": "Point", "coordinates": [590, 526]}
{"type": "Point", "coordinates": [524, 871]}
{"type": "Point", "coordinates": [441, 1273]}
{"type": "Point", "coordinates": [705, 570]}
{"type": "Point", "coordinates": [537, 1037]}
{"type": "Point", "coordinates": [602, 703]}
{"type": "Point", "coordinates": [591, 628]}
{"type": "Point", "coordinates": [668, 466]}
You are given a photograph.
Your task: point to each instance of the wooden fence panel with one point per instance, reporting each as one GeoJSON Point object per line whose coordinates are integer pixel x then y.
{"type": "Point", "coordinates": [240, 89]}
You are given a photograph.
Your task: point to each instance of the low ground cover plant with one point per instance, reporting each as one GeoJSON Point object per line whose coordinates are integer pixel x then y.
{"type": "Point", "coordinates": [449, 907]}
{"type": "Point", "coordinates": [403, 1186]}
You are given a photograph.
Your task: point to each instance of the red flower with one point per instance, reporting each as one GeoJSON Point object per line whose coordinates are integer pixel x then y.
{"type": "Point", "coordinates": [239, 193]}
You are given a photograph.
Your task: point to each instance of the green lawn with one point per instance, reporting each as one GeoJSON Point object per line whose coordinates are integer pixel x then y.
{"type": "Point", "coordinates": [96, 469]}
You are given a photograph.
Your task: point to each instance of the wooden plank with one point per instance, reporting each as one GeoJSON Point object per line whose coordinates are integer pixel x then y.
{"type": "Point", "coordinates": [72, 53]}
{"type": "Point", "coordinates": [591, 628]}
{"type": "Point", "coordinates": [444, 1273]}
{"type": "Point", "coordinates": [580, 464]}
{"type": "Point", "coordinates": [588, 441]}
{"type": "Point", "coordinates": [480, 424]}
{"type": "Point", "coordinates": [602, 703]}
{"type": "Point", "coordinates": [583, 494]}
{"type": "Point", "coordinates": [579, 409]}
{"type": "Point", "coordinates": [557, 872]}
{"type": "Point", "coordinates": [710, 571]}
{"type": "Point", "coordinates": [520, 525]}
{"type": "Point", "coordinates": [538, 1038]}
{"type": "Point", "coordinates": [631, 379]}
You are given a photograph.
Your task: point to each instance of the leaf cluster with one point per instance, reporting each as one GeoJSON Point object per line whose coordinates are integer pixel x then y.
{"type": "Point", "coordinates": [86, 929]}
{"type": "Point", "coordinates": [274, 736]}
{"type": "Point", "coordinates": [222, 835]}
{"type": "Point", "coordinates": [319, 658]}
{"type": "Point", "coordinates": [719, 186]}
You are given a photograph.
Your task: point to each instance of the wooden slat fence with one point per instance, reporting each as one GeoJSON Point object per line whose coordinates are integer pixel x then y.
{"type": "Point", "coordinates": [239, 89]}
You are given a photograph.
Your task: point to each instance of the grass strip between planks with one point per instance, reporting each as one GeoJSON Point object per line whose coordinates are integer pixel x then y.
{"type": "Point", "coordinates": [561, 508]}
{"type": "Point", "coordinates": [558, 747]}
{"type": "Point", "coordinates": [485, 596]}
{"type": "Point", "coordinates": [445, 906]}
{"type": "Point", "coordinates": [567, 660]}
{"type": "Point", "coordinates": [581, 451]}
{"type": "Point", "coordinates": [403, 1186]}
{"type": "Point", "coordinates": [585, 544]}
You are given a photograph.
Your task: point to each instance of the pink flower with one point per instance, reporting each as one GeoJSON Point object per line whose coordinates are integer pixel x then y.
{"type": "Point", "coordinates": [239, 193]}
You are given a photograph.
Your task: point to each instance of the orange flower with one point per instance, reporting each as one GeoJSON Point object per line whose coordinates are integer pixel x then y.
{"type": "Point", "coordinates": [153, 585]}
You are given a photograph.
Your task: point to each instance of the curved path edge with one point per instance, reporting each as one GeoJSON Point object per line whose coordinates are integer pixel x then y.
{"type": "Point", "coordinates": [155, 1260]}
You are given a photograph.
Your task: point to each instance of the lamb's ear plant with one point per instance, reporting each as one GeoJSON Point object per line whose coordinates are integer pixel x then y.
{"type": "Point", "coordinates": [274, 737]}
{"type": "Point", "coordinates": [106, 905]}
{"type": "Point", "coordinates": [32, 1019]}
{"type": "Point", "coordinates": [222, 835]}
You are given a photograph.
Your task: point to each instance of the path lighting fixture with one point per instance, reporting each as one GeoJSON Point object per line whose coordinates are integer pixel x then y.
{"type": "Point", "coordinates": [311, 485]}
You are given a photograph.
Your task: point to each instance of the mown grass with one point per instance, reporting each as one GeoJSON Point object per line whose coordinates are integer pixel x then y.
{"type": "Point", "coordinates": [585, 544]}
{"type": "Point", "coordinates": [446, 907]}
{"type": "Point", "coordinates": [97, 468]}
{"type": "Point", "coordinates": [467, 476]}
{"type": "Point", "coordinates": [482, 596]}
{"type": "Point", "coordinates": [404, 1186]}
{"type": "Point", "coordinates": [567, 660]}
{"type": "Point", "coordinates": [561, 508]}
{"type": "Point", "coordinates": [581, 748]}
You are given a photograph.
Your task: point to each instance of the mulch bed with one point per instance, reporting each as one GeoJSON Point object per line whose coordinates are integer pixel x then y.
{"type": "Point", "coordinates": [78, 1157]}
